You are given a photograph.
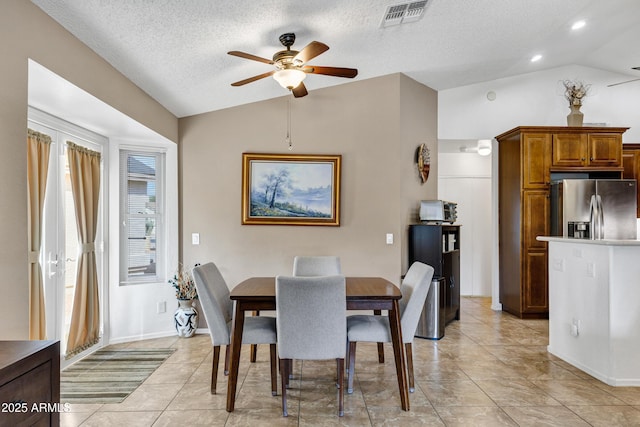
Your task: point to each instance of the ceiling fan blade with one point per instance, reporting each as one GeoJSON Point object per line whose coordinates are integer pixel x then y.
{"type": "Point", "coordinates": [331, 71]}
{"type": "Point", "coordinates": [250, 56]}
{"type": "Point", "coordinates": [309, 52]}
{"type": "Point", "coordinates": [300, 91]}
{"type": "Point", "coordinates": [621, 83]}
{"type": "Point", "coordinates": [253, 79]}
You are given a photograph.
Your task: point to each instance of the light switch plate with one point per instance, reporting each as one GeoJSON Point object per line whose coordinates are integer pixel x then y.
{"type": "Point", "coordinates": [389, 238]}
{"type": "Point", "coordinates": [162, 307]}
{"type": "Point", "coordinates": [195, 238]}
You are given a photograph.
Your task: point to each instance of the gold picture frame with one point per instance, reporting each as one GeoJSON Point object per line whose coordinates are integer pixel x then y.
{"type": "Point", "coordinates": [291, 189]}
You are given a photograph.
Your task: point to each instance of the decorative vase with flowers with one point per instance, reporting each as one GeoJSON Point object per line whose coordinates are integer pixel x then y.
{"type": "Point", "coordinates": [186, 315]}
{"type": "Point", "coordinates": [574, 91]}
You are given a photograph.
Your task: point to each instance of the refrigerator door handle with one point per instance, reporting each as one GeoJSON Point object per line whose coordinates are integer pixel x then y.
{"type": "Point", "coordinates": [593, 217]}
{"type": "Point", "coordinates": [600, 217]}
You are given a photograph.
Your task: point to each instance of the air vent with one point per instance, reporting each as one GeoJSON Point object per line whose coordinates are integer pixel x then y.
{"type": "Point", "coordinates": [403, 13]}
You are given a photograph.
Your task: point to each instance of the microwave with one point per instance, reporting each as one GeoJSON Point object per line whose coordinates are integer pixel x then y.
{"type": "Point", "coordinates": [438, 211]}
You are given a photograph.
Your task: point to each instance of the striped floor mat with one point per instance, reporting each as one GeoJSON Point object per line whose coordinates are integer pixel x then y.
{"type": "Point", "coordinates": [109, 376]}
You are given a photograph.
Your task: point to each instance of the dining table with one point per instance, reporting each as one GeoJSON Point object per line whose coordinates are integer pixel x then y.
{"type": "Point", "coordinates": [363, 293]}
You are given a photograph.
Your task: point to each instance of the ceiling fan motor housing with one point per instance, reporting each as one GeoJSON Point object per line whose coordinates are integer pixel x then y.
{"type": "Point", "coordinates": [284, 59]}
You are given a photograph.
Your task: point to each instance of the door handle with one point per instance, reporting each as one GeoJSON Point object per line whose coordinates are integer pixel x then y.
{"type": "Point", "coordinates": [51, 266]}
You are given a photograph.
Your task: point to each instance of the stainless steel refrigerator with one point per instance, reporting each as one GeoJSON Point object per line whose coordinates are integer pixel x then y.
{"type": "Point", "coordinates": [594, 209]}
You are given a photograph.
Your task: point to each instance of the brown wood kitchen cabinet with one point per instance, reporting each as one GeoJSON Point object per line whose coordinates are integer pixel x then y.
{"type": "Point", "coordinates": [586, 149]}
{"type": "Point", "coordinates": [529, 156]}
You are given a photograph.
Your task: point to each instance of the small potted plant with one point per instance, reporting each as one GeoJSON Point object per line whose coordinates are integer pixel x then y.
{"type": "Point", "coordinates": [185, 316]}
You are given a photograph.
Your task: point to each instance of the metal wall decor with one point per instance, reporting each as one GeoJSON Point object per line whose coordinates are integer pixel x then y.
{"type": "Point", "coordinates": [423, 160]}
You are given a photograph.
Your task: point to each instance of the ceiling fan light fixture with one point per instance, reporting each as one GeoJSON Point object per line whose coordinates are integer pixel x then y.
{"type": "Point", "coordinates": [289, 78]}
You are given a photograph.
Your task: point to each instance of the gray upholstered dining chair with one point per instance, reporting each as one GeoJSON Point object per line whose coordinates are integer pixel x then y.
{"type": "Point", "coordinates": [414, 289]}
{"type": "Point", "coordinates": [311, 324]}
{"type": "Point", "coordinates": [316, 266]}
{"type": "Point", "coordinates": [325, 266]}
{"type": "Point", "coordinates": [217, 306]}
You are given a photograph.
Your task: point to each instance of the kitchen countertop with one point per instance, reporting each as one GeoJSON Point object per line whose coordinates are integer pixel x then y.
{"type": "Point", "coordinates": [605, 242]}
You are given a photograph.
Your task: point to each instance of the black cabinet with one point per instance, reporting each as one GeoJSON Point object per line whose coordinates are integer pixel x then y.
{"type": "Point", "coordinates": [438, 245]}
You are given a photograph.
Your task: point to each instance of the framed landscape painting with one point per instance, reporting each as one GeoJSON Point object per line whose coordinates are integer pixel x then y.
{"type": "Point", "coordinates": [291, 189]}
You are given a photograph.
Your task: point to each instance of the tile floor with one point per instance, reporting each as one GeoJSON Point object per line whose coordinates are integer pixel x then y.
{"type": "Point", "coordinates": [490, 369]}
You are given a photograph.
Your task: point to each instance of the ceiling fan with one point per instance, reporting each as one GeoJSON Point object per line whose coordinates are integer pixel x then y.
{"type": "Point", "coordinates": [627, 81]}
{"type": "Point", "coordinates": [290, 65]}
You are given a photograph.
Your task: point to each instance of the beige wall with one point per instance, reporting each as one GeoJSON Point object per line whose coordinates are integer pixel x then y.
{"type": "Point", "coordinates": [26, 32]}
{"type": "Point", "coordinates": [418, 125]}
{"type": "Point", "coordinates": [375, 125]}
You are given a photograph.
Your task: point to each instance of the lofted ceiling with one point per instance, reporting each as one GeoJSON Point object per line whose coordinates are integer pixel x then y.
{"type": "Point", "coordinates": [176, 50]}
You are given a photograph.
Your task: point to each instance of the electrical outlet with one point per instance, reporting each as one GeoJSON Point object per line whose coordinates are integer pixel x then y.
{"type": "Point", "coordinates": [162, 307]}
{"type": "Point", "coordinates": [558, 264]}
{"type": "Point", "coordinates": [575, 328]}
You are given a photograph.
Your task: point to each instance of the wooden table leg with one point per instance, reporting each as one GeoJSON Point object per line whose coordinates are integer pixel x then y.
{"type": "Point", "coordinates": [236, 346]}
{"type": "Point", "coordinates": [380, 345]}
{"type": "Point", "coordinates": [398, 353]}
{"type": "Point", "coordinates": [254, 347]}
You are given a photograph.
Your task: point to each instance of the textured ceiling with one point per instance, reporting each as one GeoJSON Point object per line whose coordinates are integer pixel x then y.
{"type": "Point", "coordinates": [176, 50]}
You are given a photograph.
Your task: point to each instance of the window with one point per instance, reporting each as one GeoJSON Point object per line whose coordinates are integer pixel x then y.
{"type": "Point", "coordinates": [142, 217]}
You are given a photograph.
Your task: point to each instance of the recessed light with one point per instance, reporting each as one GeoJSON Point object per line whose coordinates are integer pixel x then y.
{"type": "Point", "coordinates": [578, 24]}
{"type": "Point", "coordinates": [536, 58]}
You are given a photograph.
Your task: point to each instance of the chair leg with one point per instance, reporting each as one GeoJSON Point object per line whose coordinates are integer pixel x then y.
{"type": "Point", "coordinates": [380, 345]}
{"type": "Point", "coordinates": [409, 354]}
{"type": "Point", "coordinates": [289, 375]}
{"type": "Point", "coordinates": [283, 377]}
{"type": "Point", "coordinates": [274, 370]}
{"type": "Point", "coordinates": [226, 360]}
{"type": "Point", "coordinates": [352, 365]}
{"type": "Point", "coordinates": [380, 352]}
{"type": "Point", "coordinates": [340, 387]}
{"type": "Point", "coordinates": [214, 368]}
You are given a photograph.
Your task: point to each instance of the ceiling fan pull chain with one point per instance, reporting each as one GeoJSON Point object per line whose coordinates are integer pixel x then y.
{"type": "Point", "coordinates": [288, 139]}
